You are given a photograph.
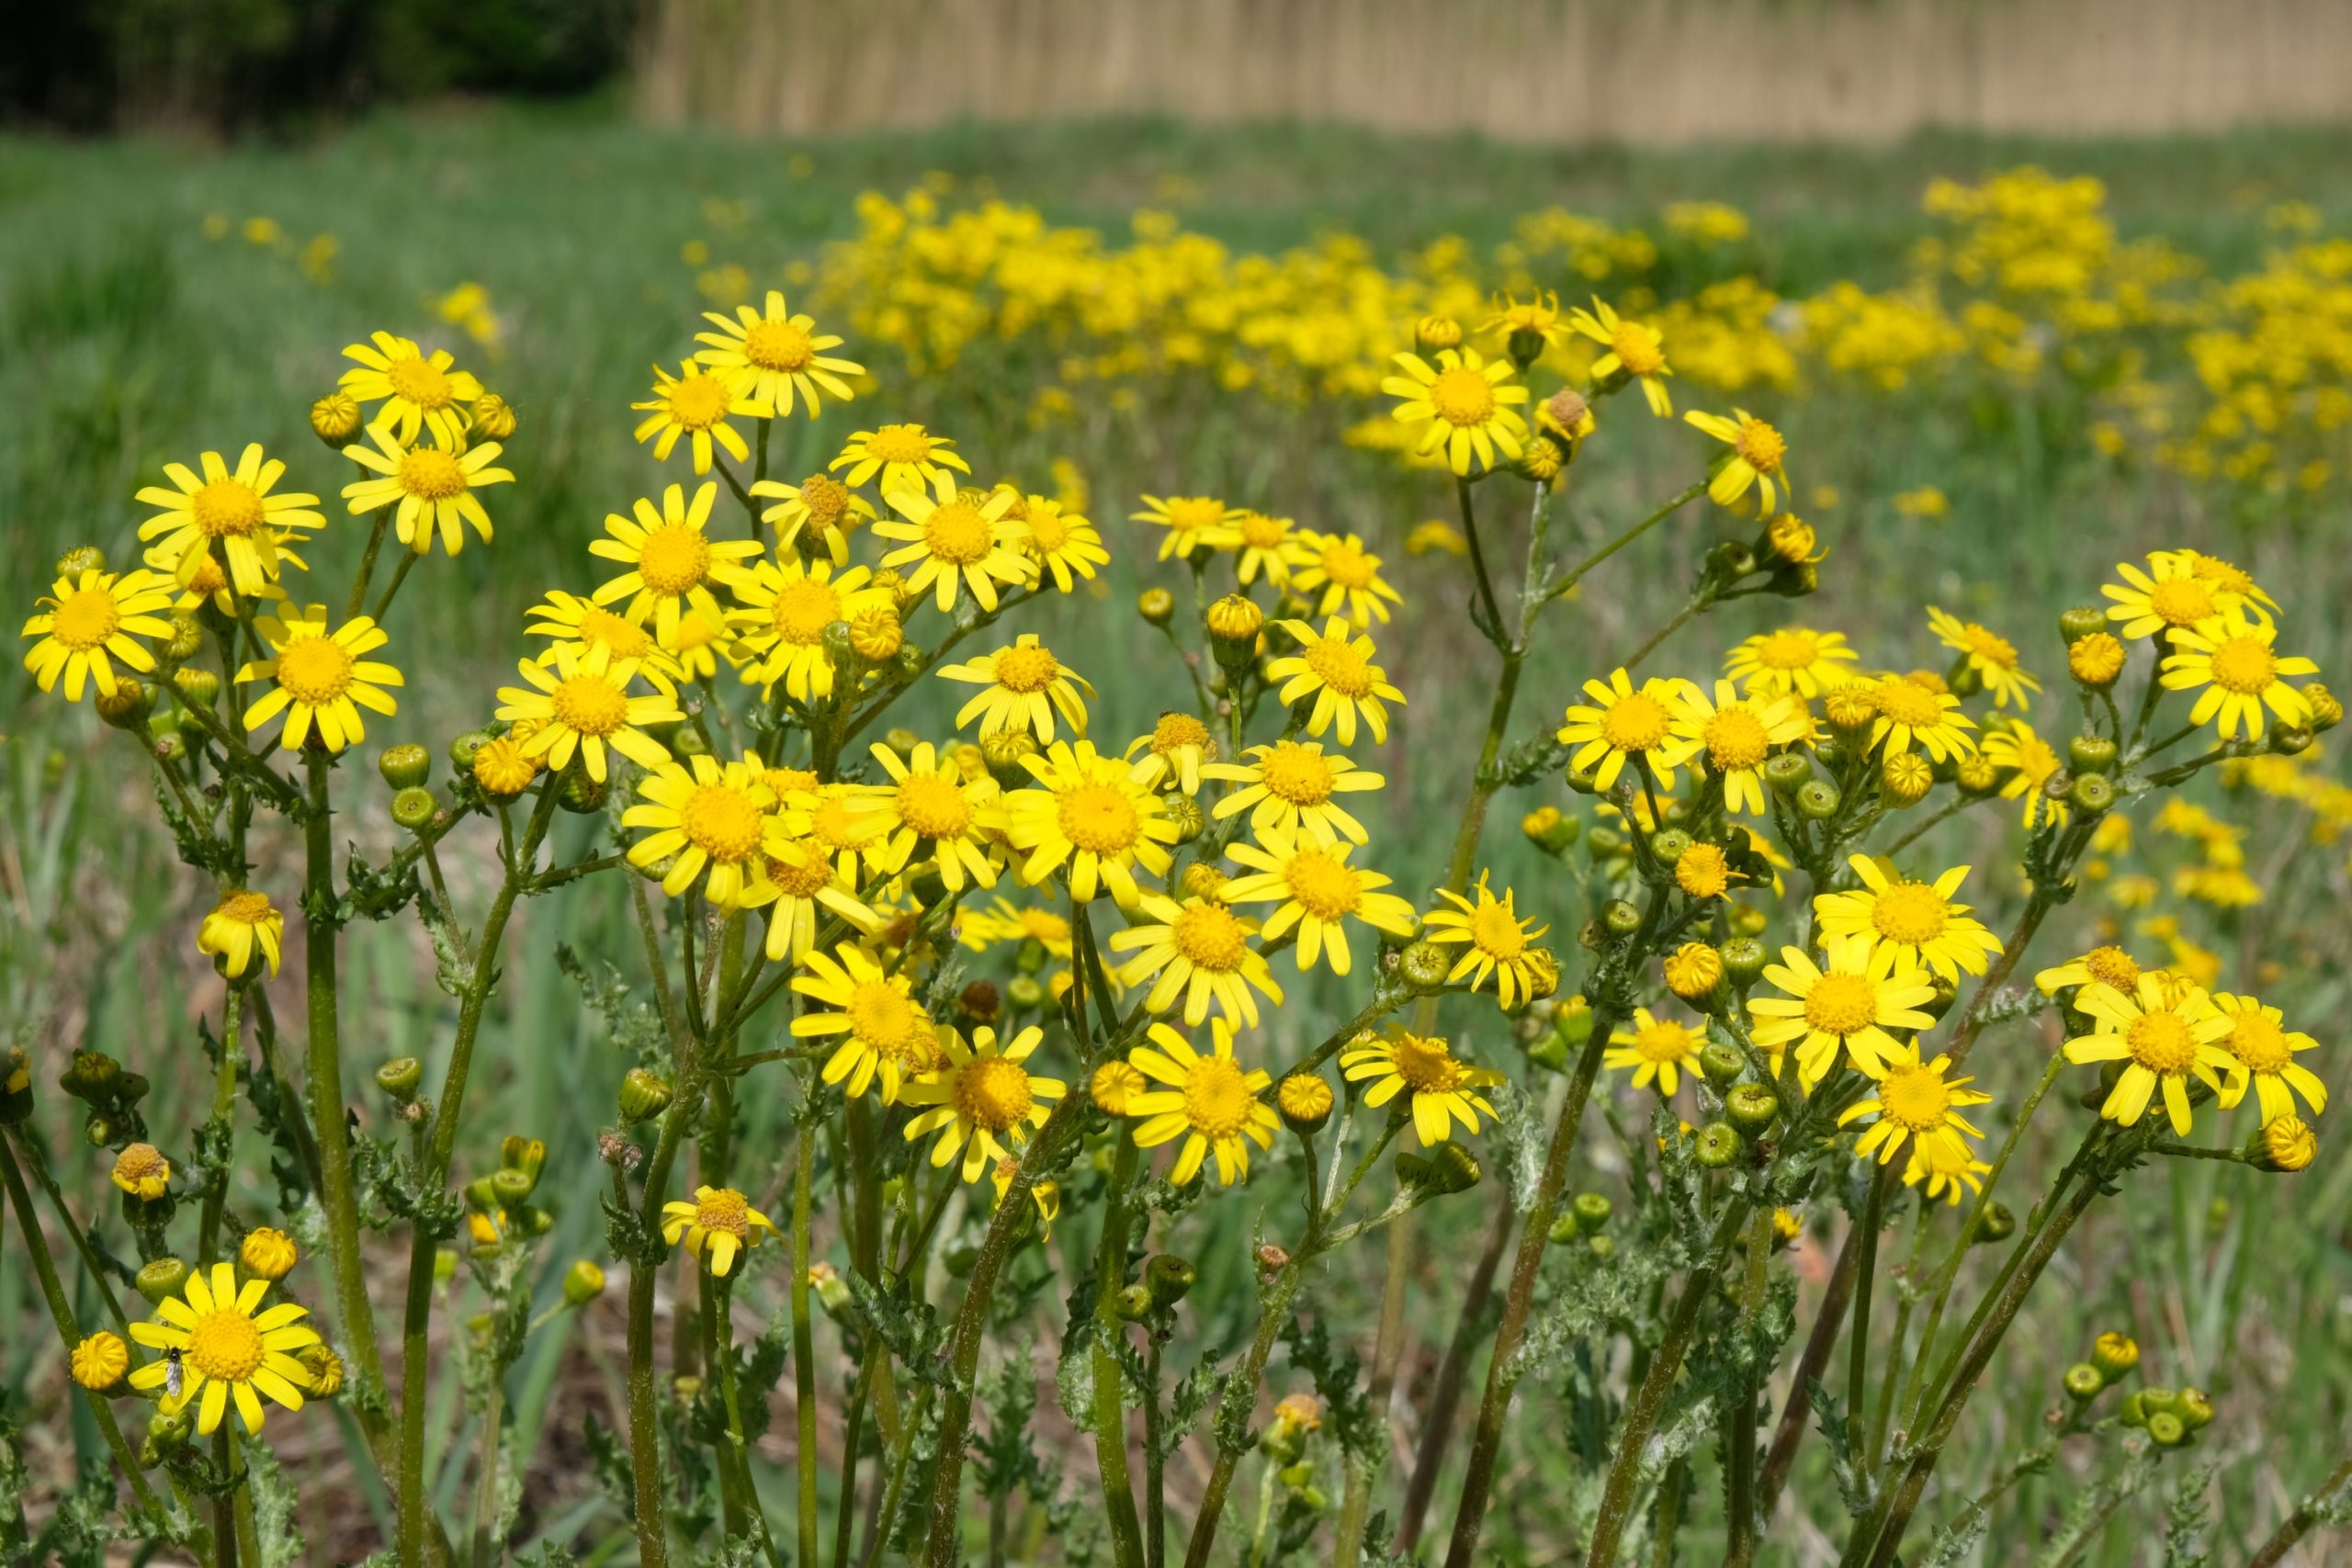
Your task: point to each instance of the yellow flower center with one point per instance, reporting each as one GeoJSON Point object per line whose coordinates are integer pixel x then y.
{"type": "Point", "coordinates": [1293, 773]}
{"type": "Point", "coordinates": [608, 630]}
{"type": "Point", "coordinates": [430, 474]}
{"type": "Point", "coordinates": [207, 577]}
{"type": "Point", "coordinates": [673, 558]}
{"type": "Point", "coordinates": [2180, 601]}
{"type": "Point", "coordinates": [803, 878]}
{"type": "Point", "coordinates": [244, 909]}
{"type": "Point", "coordinates": [1842, 1004]}
{"type": "Point", "coordinates": [1216, 1097]}
{"type": "Point", "coordinates": [698, 401]}
{"type": "Point", "coordinates": [86, 618]}
{"type": "Point", "coordinates": [1909, 914]}
{"type": "Point", "coordinates": [139, 1162]}
{"type": "Point", "coordinates": [992, 1093]}
{"type": "Point", "coordinates": [957, 533]}
{"type": "Point", "coordinates": [1916, 1096]}
{"type": "Point", "coordinates": [1662, 1042]}
{"type": "Point", "coordinates": [1903, 702]}
{"type": "Point", "coordinates": [1188, 512]}
{"type": "Point", "coordinates": [2245, 665]}
{"type": "Point", "coordinates": [1098, 819]}
{"type": "Point", "coordinates": [1347, 565]}
{"type": "Point", "coordinates": [225, 1344]}
{"type": "Point", "coordinates": [803, 610]}
{"type": "Point", "coordinates": [1426, 1066]}
{"type": "Point", "coordinates": [1025, 668]}
{"type": "Point", "coordinates": [1260, 532]}
{"type": "Point", "coordinates": [1462, 397]}
{"type": "Point", "coordinates": [721, 821]}
{"type": "Point", "coordinates": [1177, 730]}
{"type": "Point", "coordinates": [1048, 529]}
{"type": "Point", "coordinates": [316, 670]}
{"type": "Point", "coordinates": [1636, 350]}
{"type": "Point", "coordinates": [2222, 575]}
{"type": "Point", "coordinates": [1341, 665]}
{"type": "Point", "coordinates": [899, 443]}
{"type": "Point", "coordinates": [879, 1013]}
{"type": "Point", "coordinates": [589, 704]}
{"type": "Point", "coordinates": [723, 1209]}
{"type": "Point", "coordinates": [225, 508]}
{"type": "Point", "coordinates": [1990, 647]}
{"type": "Point", "coordinates": [1045, 925]}
{"type": "Point", "coordinates": [834, 824]}
{"type": "Point", "coordinates": [1735, 739]}
{"type": "Point", "coordinates": [932, 806]}
{"type": "Point", "coordinates": [1212, 936]}
{"type": "Point", "coordinates": [1792, 647]}
{"type": "Point", "coordinates": [420, 381]}
{"type": "Point", "coordinates": [778, 345]}
{"type": "Point", "coordinates": [824, 499]}
{"type": "Point", "coordinates": [1496, 933]}
{"type": "Point", "coordinates": [2114, 967]}
{"type": "Point", "coordinates": [1323, 884]}
{"type": "Point", "coordinates": [1635, 722]}
{"type": "Point", "coordinates": [1760, 445]}
{"type": "Point", "coordinates": [2161, 1042]}
{"type": "Point", "coordinates": [2257, 1042]}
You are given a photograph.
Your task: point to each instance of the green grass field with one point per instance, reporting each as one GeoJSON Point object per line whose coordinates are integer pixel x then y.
{"type": "Point", "coordinates": [128, 338]}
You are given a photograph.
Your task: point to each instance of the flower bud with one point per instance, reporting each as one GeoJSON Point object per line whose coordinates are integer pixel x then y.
{"type": "Point", "coordinates": [463, 746]}
{"type": "Point", "coordinates": [268, 1254]}
{"type": "Point", "coordinates": [1818, 801]}
{"type": "Point", "coordinates": [583, 1282]}
{"type": "Point", "coordinates": [1025, 993]}
{"type": "Point", "coordinates": [1717, 1145]}
{"type": "Point", "coordinates": [1167, 1278]}
{"type": "Point", "coordinates": [1906, 778]}
{"type": "Point", "coordinates": [2081, 621]}
{"type": "Point", "coordinates": [526, 1154]}
{"type": "Point", "coordinates": [91, 1076]}
{"type": "Point", "coordinates": [2083, 1383]}
{"type": "Point", "coordinates": [16, 1085]}
{"type": "Point", "coordinates": [1976, 776]}
{"type": "Point", "coordinates": [2096, 660]}
{"type": "Point", "coordinates": [2090, 755]}
{"type": "Point", "coordinates": [1572, 1020]}
{"type": "Point", "coordinates": [160, 1279]}
{"type": "Point", "coordinates": [2094, 792]}
{"type": "Point", "coordinates": [1550, 830]}
{"type": "Point", "coordinates": [1720, 1065]}
{"type": "Point", "coordinates": [2166, 1429]}
{"type": "Point", "coordinates": [1744, 959]}
{"type": "Point", "coordinates": [583, 796]}
{"type": "Point", "coordinates": [1693, 971]}
{"type": "Point", "coordinates": [1156, 605]}
{"type": "Point", "coordinates": [1669, 845]}
{"type": "Point", "coordinates": [1452, 1168]}
{"type": "Point", "coordinates": [335, 419]}
{"type": "Point", "coordinates": [1997, 1224]}
{"type": "Point", "coordinates": [1433, 335]}
{"type": "Point", "coordinates": [1423, 966]}
{"type": "Point", "coordinates": [1752, 1108]}
{"type": "Point", "coordinates": [81, 559]}
{"type": "Point", "coordinates": [1305, 1102]}
{"type": "Point", "coordinates": [1135, 1303]}
{"type": "Point", "coordinates": [1541, 460]}
{"type": "Point", "coordinates": [643, 1094]}
{"type": "Point", "coordinates": [1790, 538]}
{"type": "Point", "coordinates": [187, 639]}
{"type": "Point", "coordinates": [2285, 1144]}
{"type": "Point", "coordinates": [415, 809]}
{"type": "Point", "coordinates": [2114, 1354]}
{"type": "Point", "coordinates": [1796, 580]}
{"type": "Point", "coordinates": [406, 766]}
{"type": "Point", "coordinates": [128, 705]}
{"type": "Point", "coordinates": [1548, 1051]}
{"type": "Point", "coordinates": [1620, 917]}
{"type": "Point", "coordinates": [2194, 1408]}
{"type": "Point", "coordinates": [168, 1433]}
{"type": "Point", "coordinates": [99, 1361]}
{"type": "Point", "coordinates": [1234, 623]}
{"type": "Point", "coordinates": [493, 418]}
{"type": "Point", "coordinates": [1189, 820]}
{"type": "Point", "coordinates": [2326, 711]}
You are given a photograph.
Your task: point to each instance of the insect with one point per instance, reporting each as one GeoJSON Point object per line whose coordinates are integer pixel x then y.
{"type": "Point", "coordinates": [172, 1373]}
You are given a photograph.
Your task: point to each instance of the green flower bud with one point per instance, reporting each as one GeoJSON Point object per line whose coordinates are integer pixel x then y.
{"type": "Point", "coordinates": [1190, 821]}
{"type": "Point", "coordinates": [1135, 1303]}
{"type": "Point", "coordinates": [583, 1282]}
{"type": "Point", "coordinates": [2193, 1408]}
{"type": "Point", "coordinates": [444, 1264]}
{"type": "Point", "coordinates": [1564, 1228]}
{"type": "Point", "coordinates": [2090, 755]}
{"type": "Point", "coordinates": [1818, 801]}
{"type": "Point", "coordinates": [2168, 1430]}
{"type": "Point", "coordinates": [584, 797]}
{"type": "Point", "coordinates": [1669, 843]}
{"type": "Point", "coordinates": [16, 1085]}
{"type": "Point", "coordinates": [187, 641]}
{"type": "Point", "coordinates": [1744, 959]}
{"type": "Point", "coordinates": [1025, 993]}
{"type": "Point", "coordinates": [400, 1077]}
{"type": "Point", "coordinates": [1156, 605]}
{"type": "Point", "coordinates": [2084, 1382]}
{"type": "Point", "coordinates": [2094, 792]}
{"type": "Point", "coordinates": [1168, 1279]}
{"type": "Point", "coordinates": [160, 1279]}
{"type": "Point", "coordinates": [91, 1076]}
{"type": "Point", "coordinates": [462, 750]}
{"type": "Point", "coordinates": [1788, 772]}
{"type": "Point", "coordinates": [510, 1188]}
{"type": "Point", "coordinates": [1752, 1107]}
{"type": "Point", "coordinates": [1720, 1064]}
{"type": "Point", "coordinates": [414, 809]}
{"type": "Point", "coordinates": [1998, 1224]}
{"type": "Point", "coordinates": [2114, 1354]}
{"type": "Point", "coordinates": [1584, 781]}
{"type": "Point", "coordinates": [2080, 621]}
{"type": "Point", "coordinates": [1603, 1247]}
{"type": "Point", "coordinates": [1591, 1211]}
{"type": "Point", "coordinates": [688, 741]}
{"type": "Point", "coordinates": [1453, 1168]}
{"type": "Point", "coordinates": [1717, 1145]}
{"type": "Point", "coordinates": [1620, 919]}
{"type": "Point", "coordinates": [128, 705]}
{"type": "Point", "coordinates": [643, 1094]}
{"type": "Point", "coordinates": [2291, 741]}
{"type": "Point", "coordinates": [406, 766]}
{"type": "Point", "coordinates": [1423, 966]}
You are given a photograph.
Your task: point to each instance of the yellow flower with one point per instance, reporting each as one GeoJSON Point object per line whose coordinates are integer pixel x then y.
{"type": "Point", "coordinates": [1865, 991]}
{"type": "Point", "coordinates": [1347, 575]}
{"type": "Point", "coordinates": [2031, 762]}
{"type": "Point", "coordinates": [2164, 1034]}
{"type": "Point", "coordinates": [2110, 966]}
{"type": "Point", "coordinates": [719, 1224]}
{"type": "Point", "coordinates": [1624, 724]}
{"type": "Point", "coordinates": [239, 923]}
{"type": "Point", "coordinates": [1944, 1172]}
{"type": "Point", "coordinates": [1338, 674]}
{"type": "Point", "coordinates": [1703, 871]}
{"type": "Point", "coordinates": [90, 622]}
{"type": "Point", "coordinates": [844, 825]}
{"type": "Point", "coordinates": [1658, 1049]}
{"type": "Point", "coordinates": [1317, 890]}
{"type": "Point", "coordinates": [1467, 404]}
{"type": "Point", "coordinates": [1191, 522]}
{"type": "Point", "coordinates": [1181, 744]}
{"type": "Point", "coordinates": [432, 487]}
{"type": "Point", "coordinates": [142, 1171]}
{"type": "Point", "coordinates": [2169, 597]}
{"type": "Point", "coordinates": [1210, 1102]}
{"type": "Point", "coordinates": [1538, 319]}
{"type": "Point", "coordinates": [1633, 350]}
{"type": "Point", "coordinates": [1992, 656]}
{"type": "Point", "coordinates": [2262, 1051]}
{"type": "Point", "coordinates": [1754, 461]}
{"type": "Point", "coordinates": [226, 1350]}
{"type": "Point", "coordinates": [584, 705]}
{"type": "Point", "coordinates": [1046, 1195]}
{"type": "Point", "coordinates": [1116, 1084]}
{"type": "Point", "coordinates": [268, 1254]}
{"type": "Point", "coordinates": [788, 605]}
{"type": "Point", "coordinates": [1056, 539]}
{"type": "Point", "coordinates": [672, 561]}
{"type": "Point", "coordinates": [207, 579]}
{"type": "Point", "coordinates": [907, 457]}
{"type": "Point", "coordinates": [2230, 656]}
{"type": "Point", "coordinates": [1436, 534]}
{"type": "Point", "coordinates": [983, 1100]}
{"type": "Point", "coordinates": [696, 404]}
{"type": "Point", "coordinates": [706, 815]}
{"type": "Point", "coordinates": [1098, 813]}
{"type": "Point", "coordinates": [886, 1034]}
{"type": "Point", "coordinates": [2229, 583]}
{"type": "Point", "coordinates": [1915, 1104]}
{"type": "Point", "coordinates": [1733, 738]}
{"type": "Point", "coordinates": [1002, 921]}
{"type": "Point", "coordinates": [931, 801]}
{"type": "Point", "coordinates": [1288, 786]}
{"type": "Point", "coordinates": [1272, 546]}
{"type": "Point", "coordinates": [586, 626]}
{"type": "Point", "coordinates": [1907, 712]}
{"type": "Point", "coordinates": [1200, 951]}
{"type": "Point", "coordinates": [773, 353]}
{"type": "Point", "coordinates": [1496, 941]}
{"type": "Point", "coordinates": [228, 516]}
{"type": "Point", "coordinates": [319, 678]}
{"type": "Point", "coordinates": [1025, 685]}
{"type": "Point", "coordinates": [98, 1361]}
{"type": "Point", "coordinates": [820, 504]}
{"type": "Point", "coordinates": [1793, 661]}
{"type": "Point", "coordinates": [417, 389]}
{"type": "Point", "coordinates": [1693, 971]}
{"type": "Point", "coordinates": [1445, 1089]}
{"type": "Point", "coordinates": [796, 879]}
{"type": "Point", "coordinates": [964, 537]}
{"type": "Point", "coordinates": [1917, 918]}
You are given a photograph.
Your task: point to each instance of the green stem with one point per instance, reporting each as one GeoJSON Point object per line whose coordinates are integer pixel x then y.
{"type": "Point", "coordinates": [1857, 1338]}
{"type": "Point", "coordinates": [804, 1345]}
{"type": "Point", "coordinates": [1155, 1499]}
{"type": "Point", "coordinates": [1565, 584]}
{"type": "Point", "coordinates": [1110, 1414]}
{"type": "Point", "coordinates": [494, 1417]}
{"type": "Point", "coordinates": [224, 1102]}
{"type": "Point", "coordinates": [2297, 1525]}
{"type": "Point", "coordinates": [368, 564]}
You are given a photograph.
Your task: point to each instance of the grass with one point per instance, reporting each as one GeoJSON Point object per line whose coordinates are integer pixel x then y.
{"type": "Point", "coordinates": [128, 338]}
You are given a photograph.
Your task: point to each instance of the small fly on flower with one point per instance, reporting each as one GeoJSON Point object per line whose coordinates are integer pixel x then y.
{"type": "Point", "coordinates": [172, 1373]}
